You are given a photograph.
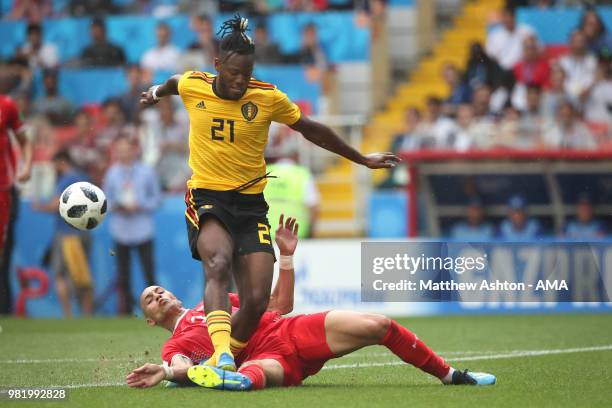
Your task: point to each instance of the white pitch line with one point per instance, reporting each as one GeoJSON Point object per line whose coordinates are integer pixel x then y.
{"type": "Point", "coordinates": [527, 353]}
{"type": "Point", "coordinates": [66, 360]}
{"type": "Point", "coordinates": [517, 354]}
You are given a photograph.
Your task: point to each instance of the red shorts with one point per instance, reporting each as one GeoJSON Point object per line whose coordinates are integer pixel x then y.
{"type": "Point", "coordinates": [298, 343]}
{"type": "Point", "coordinates": [5, 216]}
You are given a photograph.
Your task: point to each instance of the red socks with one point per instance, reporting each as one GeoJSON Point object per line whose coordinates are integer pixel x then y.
{"type": "Point", "coordinates": [255, 373]}
{"type": "Point", "coordinates": [407, 346]}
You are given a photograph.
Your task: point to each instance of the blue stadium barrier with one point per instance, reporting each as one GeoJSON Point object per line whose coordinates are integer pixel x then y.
{"type": "Point", "coordinates": [87, 86]}
{"type": "Point", "coordinates": [339, 36]}
{"type": "Point", "coordinates": [70, 35]}
{"type": "Point", "coordinates": [401, 3]}
{"type": "Point", "coordinates": [555, 25]}
{"type": "Point", "coordinates": [6, 6]}
{"type": "Point", "coordinates": [13, 34]}
{"type": "Point", "coordinates": [387, 214]}
{"type": "Point", "coordinates": [95, 85]}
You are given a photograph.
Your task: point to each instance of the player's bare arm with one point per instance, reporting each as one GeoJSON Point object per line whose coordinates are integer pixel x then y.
{"type": "Point", "coordinates": [325, 137]}
{"type": "Point", "coordinates": [281, 299]}
{"type": "Point", "coordinates": [149, 375]}
{"type": "Point", "coordinates": [26, 151]}
{"type": "Point", "coordinates": [154, 93]}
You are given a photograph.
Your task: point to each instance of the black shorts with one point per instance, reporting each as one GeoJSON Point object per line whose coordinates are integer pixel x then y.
{"type": "Point", "coordinates": [243, 215]}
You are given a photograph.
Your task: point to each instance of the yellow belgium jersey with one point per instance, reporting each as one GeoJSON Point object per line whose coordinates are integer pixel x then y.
{"type": "Point", "coordinates": [227, 138]}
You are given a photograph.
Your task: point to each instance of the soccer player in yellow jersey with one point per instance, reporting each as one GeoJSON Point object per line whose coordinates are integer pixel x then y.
{"type": "Point", "coordinates": [226, 212]}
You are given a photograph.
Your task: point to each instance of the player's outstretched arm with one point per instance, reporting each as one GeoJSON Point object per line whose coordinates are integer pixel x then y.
{"type": "Point", "coordinates": [149, 375]}
{"type": "Point", "coordinates": [154, 93]}
{"type": "Point", "coordinates": [281, 299]}
{"type": "Point", "coordinates": [325, 137]}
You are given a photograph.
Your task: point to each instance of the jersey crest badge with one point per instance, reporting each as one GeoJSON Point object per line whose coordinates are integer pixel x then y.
{"type": "Point", "coordinates": [249, 111]}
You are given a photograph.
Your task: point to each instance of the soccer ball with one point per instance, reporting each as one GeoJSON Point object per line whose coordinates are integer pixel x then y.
{"type": "Point", "coordinates": [83, 205]}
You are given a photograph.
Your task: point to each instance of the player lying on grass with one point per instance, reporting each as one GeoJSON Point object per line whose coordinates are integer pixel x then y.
{"type": "Point", "coordinates": [283, 351]}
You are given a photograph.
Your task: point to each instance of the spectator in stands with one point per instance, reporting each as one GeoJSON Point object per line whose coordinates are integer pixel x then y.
{"type": "Point", "coordinates": [55, 107]}
{"type": "Point", "coordinates": [173, 143]}
{"type": "Point", "coordinates": [518, 226]}
{"type": "Point", "coordinates": [568, 132]}
{"type": "Point", "coordinates": [507, 133]}
{"type": "Point", "coordinates": [580, 66]}
{"type": "Point", "coordinates": [138, 81]}
{"type": "Point", "coordinates": [533, 107]}
{"type": "Point", "coordinates": [310, 52]}
{"type": "Point", "coordinates": [39, 55]}
{"type": "Point", "coordinates": [459, 91]}
{"type": "Point", "coordinates": [16, 77]}
{"type": "Point", "coordinates": [483, 123]}
{"type": "Point", "coordinates": [101, 52]}
{"type": "Point", "coordinates": [481, 69]}
{"type": "Point", "coordinates": [201, 54]}
{"type": "Point", "coordinates": [555, 93]}
{"type": "Point", "coordinates": [266, 51]}
{"type": "Point", "coordinates": [532, 70]}
{"type": "Point", "coordinates": [115, 125]}
{"type": "Point", "coordinates": [531, 121]}
{"type": "Point", "coordinates": [69, 247]}
{"type": "Point", "coordinates": [34, 11]}
{"type": "Point", "coordinates": [82, 147]}
{"type": "Point", "coordinates": [466, 135]}
{"type": "Point", "coordinates": [133, 193]}
{"type": "Point", "coordinates": [412, 138]}
{"type": "Point", "coordinates": [82, 8]}
{"type": "Point", "coordinates": [438, 130]}
{"type": "Point", "coordinates": [598, 107]}
{"type": "Point", "coordinates": [505, 43]}
{"type": "Point", "coordinates": [165, 55]}
{"type": "Point", "coordinates": [598, 40]}
{"type": "Point", "coordinates": [474, 228]}
{"type": "Point", "coordinates": [584, 226]}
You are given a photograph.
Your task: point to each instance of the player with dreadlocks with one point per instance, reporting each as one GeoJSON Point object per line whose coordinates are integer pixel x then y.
{"type": "Point", "coordinates": [226, 215]}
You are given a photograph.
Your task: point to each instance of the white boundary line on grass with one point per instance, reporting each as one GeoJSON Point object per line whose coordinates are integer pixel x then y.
{"type": "Point", "coordinates": [513, 354]}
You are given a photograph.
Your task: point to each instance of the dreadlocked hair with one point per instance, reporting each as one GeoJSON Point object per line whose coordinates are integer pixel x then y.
{"type": "Point", "coordinates": [234, 37]}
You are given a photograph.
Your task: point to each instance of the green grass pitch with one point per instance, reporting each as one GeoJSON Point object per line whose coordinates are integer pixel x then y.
{"type": "Point", "coordinates": [571, 366]}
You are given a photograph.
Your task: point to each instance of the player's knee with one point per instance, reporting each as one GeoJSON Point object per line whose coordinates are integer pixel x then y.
{"type": "Point", "coordinates": [218, 267]}
{"type": "Point", "coordinates": [378, 325]}
{"type": "Point", "coordinates": [255, 304]}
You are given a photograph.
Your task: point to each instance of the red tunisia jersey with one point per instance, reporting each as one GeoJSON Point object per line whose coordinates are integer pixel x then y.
{"type": "Point", "coordinates": [190, 337]}
{"type": "Point", "coordinates": [9, 121]}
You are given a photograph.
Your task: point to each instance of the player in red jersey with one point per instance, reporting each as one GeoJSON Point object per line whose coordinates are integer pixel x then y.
{"type": "Point", "coordinates": [283, 351]}
{"type": "Point", "coordinates": [10, 122]}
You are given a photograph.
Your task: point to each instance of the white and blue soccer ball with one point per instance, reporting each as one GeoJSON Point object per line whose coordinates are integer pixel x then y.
{"type": "Point", "coordinates": [83, 205]}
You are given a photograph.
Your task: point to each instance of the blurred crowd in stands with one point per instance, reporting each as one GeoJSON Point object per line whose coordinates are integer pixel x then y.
{"type": "Point", "coordinates": [514, 93]}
